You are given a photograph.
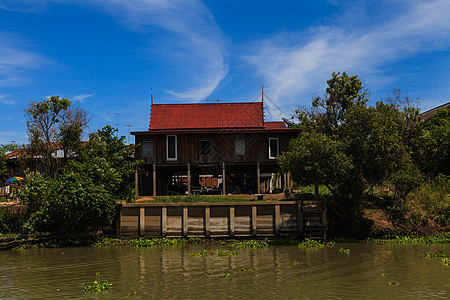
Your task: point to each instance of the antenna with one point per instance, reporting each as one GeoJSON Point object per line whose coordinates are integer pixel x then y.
{"type": "Point", "coordinates": [117, 123]}
{"type": "Point", "coordinates": [262, 104]}
{"type": "Point", "coordinates": [129, 126]}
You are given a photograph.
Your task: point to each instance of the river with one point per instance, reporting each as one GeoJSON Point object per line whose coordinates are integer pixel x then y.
{"type": "Point", "coordinates": [278, 272]}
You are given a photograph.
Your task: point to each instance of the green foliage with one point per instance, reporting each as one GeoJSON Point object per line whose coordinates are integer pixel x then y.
{"type": "Point", "coordinates": [396, 239]}
{"type": "Point", "coordinates": [425, 209]}
{"type": "Point", "coordinates": [345, 251]}
{"type": "Point", "coordinates": [349, 147]}
{"type": "Point", "coordinates": [145, 242]}
{"type": "Point", "coordinates": [225, 253]}
{"type": "Point", "coordinates": [307, 243]}
{"type": "Point", "coordinates": [431, 143]}
{"type": "Point", "coordinates": [98, 286]}
{"type": "Point", "coordinates": [435, 254]}
{"type": "Point", "coordinates": [250, 244]}
{"type": "Point", "coordinates": [53, 123]}
{"type": "Point", "coordinates": [11, 222]}
{"type": "Point", "coordinates": [82, 196]}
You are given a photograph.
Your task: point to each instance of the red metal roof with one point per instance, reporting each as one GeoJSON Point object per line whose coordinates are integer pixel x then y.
{"type": "Point", "coordinates": [207, 115]}
{"type": "Point", "coordinates": [275, 125]}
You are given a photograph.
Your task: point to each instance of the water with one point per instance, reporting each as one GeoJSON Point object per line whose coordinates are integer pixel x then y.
{"type": "Point", "coordinates": [279, 272]}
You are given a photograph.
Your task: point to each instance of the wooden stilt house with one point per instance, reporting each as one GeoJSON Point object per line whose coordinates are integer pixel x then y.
{"type": "Point", "coordinates": [210, 148]}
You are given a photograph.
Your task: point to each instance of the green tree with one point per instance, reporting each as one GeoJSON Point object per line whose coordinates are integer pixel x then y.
{"type": "Point", "coordinates": [346, 145]}
{"type": "Point", "coordinates": [82, 196]}
{"type": "Point", "coordinates": [431, 143]}
{"type": "Point", "coordinates": [53, 124]}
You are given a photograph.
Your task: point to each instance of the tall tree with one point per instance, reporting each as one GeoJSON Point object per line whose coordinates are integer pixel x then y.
{"type": "Point", "coordinates": [53, 124]}
{"type": "Point", "coordinates": [346, 145]}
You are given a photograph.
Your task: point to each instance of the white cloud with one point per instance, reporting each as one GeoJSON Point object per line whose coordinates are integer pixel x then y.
{"type": "Point", "coordinates": [4, 99]}
{"type": "Point", "coordinates": [296, 65]}
{"type": "Point", "coordinates": [82, 97]}
{"type": "Point", "coordinates": [14, 59]}
{"type": "Point", "coordinates": [192, 43]}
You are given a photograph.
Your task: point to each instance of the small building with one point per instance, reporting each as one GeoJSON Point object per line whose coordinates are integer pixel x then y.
{"type": "Point", "coordinates": [211, 148]}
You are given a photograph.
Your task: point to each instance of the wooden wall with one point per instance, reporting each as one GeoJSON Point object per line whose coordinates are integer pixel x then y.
{"type": "Point", "coordinates": [222, 148]}
{"type": "Point", "coordinates": [222, 219]}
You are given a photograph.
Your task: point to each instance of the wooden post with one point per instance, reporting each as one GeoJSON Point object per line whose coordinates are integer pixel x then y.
{"type": "Point", "coordinates": [189, 178]}
{"type": "Point", "coordinates": [185, 221]}
{"type": "Point", "coordinates": [324, 220]}
{"type": "Point", "coordinates": [154, 179]}
{"type": "Point", "coordinates": [300, 217]}
{"type": "Point", "coordinates": [231, 220]}
{"type": "Point", "coordinates": [119, 231]}
{"type": "Point", "coordinates": [254, 216]}
{"type": "Point", "coordinates": [258, 177]}
{"type": "Point", "coordinates": [223, 179]}
{"type": "Point", "coordinates": [136, 183]}
{"type": "Point", "coordinates": [163, 220]}
{"type": "Point", "coordinates": [207, 220]}
{"type": "Point", "coordinates": [141, 221]}
{"type": "Point", "coordinates": [277, 219]}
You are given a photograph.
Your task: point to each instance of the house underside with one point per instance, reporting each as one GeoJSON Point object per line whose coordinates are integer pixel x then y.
{"type": "Point", "coordinates": [208, 179]}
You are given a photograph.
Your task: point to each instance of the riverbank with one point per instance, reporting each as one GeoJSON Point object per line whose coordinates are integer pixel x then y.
{"type": "Point", "coordinates": [17, 242]}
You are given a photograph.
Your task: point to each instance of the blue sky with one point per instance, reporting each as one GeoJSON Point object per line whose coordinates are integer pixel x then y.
{"type": "Point", "coordinates": [107, 54]}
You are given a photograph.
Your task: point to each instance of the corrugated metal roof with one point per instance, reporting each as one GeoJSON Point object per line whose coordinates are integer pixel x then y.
{"type": "Point", "coordinates": [275, 125]}
{"type": "Point", "coordinates": [207, 115]}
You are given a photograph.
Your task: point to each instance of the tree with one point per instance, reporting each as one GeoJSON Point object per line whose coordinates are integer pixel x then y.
{"type": "Point", "coordinates": [346, 145]}
{"type": "Point", "coordinates": [54, 124]}
{"type": "Point", "coordinates": [82, 196]}
{"type": "Point", "coordinates": [430, 146]}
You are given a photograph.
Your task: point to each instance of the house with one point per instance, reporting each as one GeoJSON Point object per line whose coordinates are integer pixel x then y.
{"type": "Point", "coordinates": [214, 148]}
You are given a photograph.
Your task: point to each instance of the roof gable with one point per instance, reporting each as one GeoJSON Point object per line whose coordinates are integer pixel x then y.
{"type": "Point", "coordinates": [207, 115]}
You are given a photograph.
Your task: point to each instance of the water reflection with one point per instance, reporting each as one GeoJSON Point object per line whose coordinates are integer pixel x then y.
{"type": "Point", "coordinates": [277, 272]}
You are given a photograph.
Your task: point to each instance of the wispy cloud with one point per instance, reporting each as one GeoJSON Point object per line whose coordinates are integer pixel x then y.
{"type": "Point", "coordinates": [5, 99]}
{"type": "Point", "coordinates": [15, 59]}
{"type": "Point", "coordinates": [82, 97]}
{"type": "Point", "coordinates": [192, 43]}
{"type": "Point", "coordinates": [294, 65]}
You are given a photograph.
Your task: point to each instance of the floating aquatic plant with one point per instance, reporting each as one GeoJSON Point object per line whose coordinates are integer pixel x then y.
{"type": "Point", "coordinates": [435, 254]}
{"type": "Point", "coordinates": [98, 286]}
{"type": "Point", "coordinates": [445, 261]}
{"type": "Point", "coordinates": [393, 283]}
{"type": "Point", "coordinates": [307, 243]}
{"type": "Point", "coordinates": [225, 253]}
{"type": "Point", "coordinates": [346, 251]}
{"type": "Point", "coordinates": [249, 244]}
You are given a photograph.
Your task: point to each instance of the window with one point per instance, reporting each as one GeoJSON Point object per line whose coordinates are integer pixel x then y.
{"type": "Point", "coordinates": [147, 148]}
{"type": "Point", "coordinates": [239, 144]}
{"type": "Point", "coordinates": [273, 147]}
{"type": "Point", "coordinates": [205, 144]}
{"type": "Point", "coordinates": [171, 147]}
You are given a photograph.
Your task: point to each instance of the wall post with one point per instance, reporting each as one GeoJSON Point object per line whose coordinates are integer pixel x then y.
{"type": "Point", "coordinates": [224, 191]}
{"type": "Point", "coordinates": [154, 179]}
{"type": "Point", "coordinates": [258, 178]}
{"type": "Point", "coordinates": [189, 178]}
